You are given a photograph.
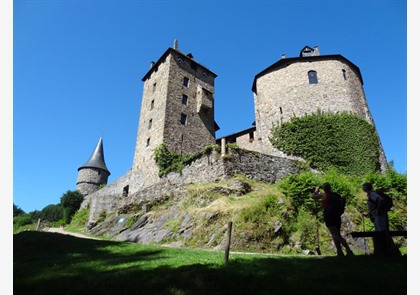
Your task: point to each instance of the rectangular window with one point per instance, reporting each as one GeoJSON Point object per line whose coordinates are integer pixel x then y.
{"type": "Point", "coordinates": [152, 105]}
{"type": "Point", "coordinates": [184, 99]}
{"type": "Point", "coordinates": [186, 82]}
{"type": "Point", "coordinates": [148, 142]}
{"type": "Point", "coordinates": [183, 119]}
{"type": "Point", "coordinates": [150, 124]}
{"type": "Point", "coordinates": [154, 87]}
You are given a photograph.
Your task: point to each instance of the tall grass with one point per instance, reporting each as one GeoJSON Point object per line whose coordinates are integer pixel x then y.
{"type": "Point", "coordinates": [50, 263]}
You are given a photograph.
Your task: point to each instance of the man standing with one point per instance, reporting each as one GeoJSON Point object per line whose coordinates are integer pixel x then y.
{"type": "Point", "coordinates": [378, 215]}
{"type": "Point", "coordinates": [332, 217]}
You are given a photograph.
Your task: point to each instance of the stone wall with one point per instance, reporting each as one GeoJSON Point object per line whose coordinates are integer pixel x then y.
{"type": "Point", "coordinates": [208, 168]}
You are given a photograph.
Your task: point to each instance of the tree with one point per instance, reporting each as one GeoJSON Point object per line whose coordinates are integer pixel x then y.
{"type": "Point", "coordinates": [71, 201]}
{"type": "Point", "coordinates": [17, 210]}
{"type": "Point", "coordinates": [52, 213]}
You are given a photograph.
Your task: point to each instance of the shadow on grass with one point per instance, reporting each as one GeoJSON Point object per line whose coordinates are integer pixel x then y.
{"type": "Point", "coordinates": [49, 263]}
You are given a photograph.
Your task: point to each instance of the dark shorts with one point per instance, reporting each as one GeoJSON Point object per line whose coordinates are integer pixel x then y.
{"type": "Point", "coordinates": [332, 219]}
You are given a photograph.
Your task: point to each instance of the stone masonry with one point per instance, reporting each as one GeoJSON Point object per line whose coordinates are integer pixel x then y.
{"type": "Point", "coordinates": [178, 110]}
{"type": "Point", "coordinates": [211, 167]}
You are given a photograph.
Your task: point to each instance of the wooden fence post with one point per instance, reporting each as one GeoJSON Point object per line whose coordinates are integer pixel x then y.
{"type": "Point", "coordinates": [229, 232]}
{"type": "Point", "coordinates": [38, 224]}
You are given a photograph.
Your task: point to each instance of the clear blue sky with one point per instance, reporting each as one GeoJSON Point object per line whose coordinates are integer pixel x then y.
{"type": "Point", "coordinates": [77, 69]}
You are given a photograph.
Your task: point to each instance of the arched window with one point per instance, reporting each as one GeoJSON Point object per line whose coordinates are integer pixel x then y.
{"type": "Point", "coordinates": [313, 79]}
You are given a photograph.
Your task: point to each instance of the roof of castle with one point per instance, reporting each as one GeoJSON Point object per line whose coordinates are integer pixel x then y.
{"type": "Point", "coordinates": [167, 52]}
{"type": "Point", "coordinates": [97, 159]}
{"type": "Point", "coordinates": [286, 61]}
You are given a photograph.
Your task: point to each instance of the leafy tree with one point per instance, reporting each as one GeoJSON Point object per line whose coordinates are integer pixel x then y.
{"type": "Point", "coordinates": [52, 213]}
{"type": "Point", "coordinates": [70, 202]}
{"type": "Point", "coordinates": [17, 210]}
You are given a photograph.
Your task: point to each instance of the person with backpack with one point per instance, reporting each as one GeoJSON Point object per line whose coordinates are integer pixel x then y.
{"type": "Point", "coordinates": [378, 206]}
{"type": "Point", "coordinates": [375, 206]}
{"type": "Point", "coordinates": [333, 207]}
{"type": "Point", "coordinates": [387, 204]}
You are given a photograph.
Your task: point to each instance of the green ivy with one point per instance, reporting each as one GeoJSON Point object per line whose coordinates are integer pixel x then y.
{"type": "Point", "coordinates": [325, 140]}
{"type": "Point", "coordinates": [168, 161]}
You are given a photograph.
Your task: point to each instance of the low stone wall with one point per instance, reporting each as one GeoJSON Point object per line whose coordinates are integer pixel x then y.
{"type": "Point", "coordinates": [208, 168]}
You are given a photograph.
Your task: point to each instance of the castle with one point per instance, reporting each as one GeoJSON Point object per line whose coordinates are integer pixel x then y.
{"type": "Point", "coordinates": [177, 109]}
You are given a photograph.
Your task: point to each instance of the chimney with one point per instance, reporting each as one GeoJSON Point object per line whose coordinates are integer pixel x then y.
{"type": "Point", "coordinates": [316, 50]}
{"type": "Point", "coordinates": [283, 56]}
{"type": "Point", "coordinates": [176, 44]}
{"type": "Point", "coordinates": [152, 63]}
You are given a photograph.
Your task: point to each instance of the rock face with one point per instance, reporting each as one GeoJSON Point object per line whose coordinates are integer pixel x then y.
{"type": "Point", "coordinates": [171, 223]}
{"type": "Point", "coordinates": [197, 216]}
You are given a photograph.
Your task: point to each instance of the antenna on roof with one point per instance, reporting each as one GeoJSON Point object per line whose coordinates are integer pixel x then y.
{"type": "Point", "coordinates": [175, 44]}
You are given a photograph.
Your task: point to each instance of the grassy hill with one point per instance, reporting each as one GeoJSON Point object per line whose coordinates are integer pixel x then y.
{"type": "Point", "coordinates": [265, 220]}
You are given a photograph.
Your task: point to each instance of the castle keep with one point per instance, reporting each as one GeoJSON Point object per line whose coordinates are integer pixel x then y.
{"type": "Point", "coordinates": [177, 110]}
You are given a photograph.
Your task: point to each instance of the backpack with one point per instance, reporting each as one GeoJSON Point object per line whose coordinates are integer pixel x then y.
{"type": "Point", "coordinates": [387, 202]}
{"type": "Point", "coordinates": [340, 203]}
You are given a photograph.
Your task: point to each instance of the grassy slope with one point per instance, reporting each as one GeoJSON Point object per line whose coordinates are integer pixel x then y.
{"type": "Point", "coordinates": [207, 208]}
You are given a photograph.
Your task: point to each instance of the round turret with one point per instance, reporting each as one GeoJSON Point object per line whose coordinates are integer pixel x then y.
{"type": "Point", "coordinates": [94, 172]}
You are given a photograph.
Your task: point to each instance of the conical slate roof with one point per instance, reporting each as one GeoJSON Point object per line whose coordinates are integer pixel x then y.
{"type": "Point", "coordinates": [97, 159]}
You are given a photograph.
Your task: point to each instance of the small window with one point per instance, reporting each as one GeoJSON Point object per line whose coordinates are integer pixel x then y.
{"type": "Point", "coordinates": [184, 99]}
{"type": "Point", "coordinates": [281, 110]}
{"type": "Point", "coordinates": [186, 82]}
{"type": "Point", "coordinates": [313, 79]}
{"type": "Point", "coordinates": [125, 191]}
{"type": "Point", "coordinates": [152, 105]}
{"type": "Point", "coordinates": [344, 74]}
{"type": "Point", "coordinates": [193, 66]}
{"type": "Point", "coordinates": [148, 142]}
{"type": "Point", "coordinates": [183, 119]}
{"type": "Point", "coordinates": [205, 74]}
{"type": "Point", "coordinates": [251, 136]}
{"type": "Point", "coordinates": [150, 124]}
{"type": "Point", "coordinates": [180, 60]}
{"type": "Point", "coordinates": [154, 87]}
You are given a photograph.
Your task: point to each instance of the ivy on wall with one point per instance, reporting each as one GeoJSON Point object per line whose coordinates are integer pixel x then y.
{"type": "Point", "coordinates": [169, 161]}
{"type": "Point", "coordinates": [325, 140]}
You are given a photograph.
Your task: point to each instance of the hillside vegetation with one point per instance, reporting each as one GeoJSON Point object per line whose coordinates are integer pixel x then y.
{"type": "Point", "coordinates": [270, 218]}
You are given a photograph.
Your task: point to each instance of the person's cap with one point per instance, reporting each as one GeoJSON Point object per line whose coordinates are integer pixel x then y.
{"type": "Point", "coordinates": [326, 186]}
{"type": "Point", "coordinates": [367, 185]}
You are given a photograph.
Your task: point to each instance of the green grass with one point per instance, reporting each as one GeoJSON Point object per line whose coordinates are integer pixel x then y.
{"type": "Point", "coordinates": [50, 263]}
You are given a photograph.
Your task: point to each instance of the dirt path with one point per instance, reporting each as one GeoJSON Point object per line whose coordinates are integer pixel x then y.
{"type": "Point", "coordinates": [62, 231]}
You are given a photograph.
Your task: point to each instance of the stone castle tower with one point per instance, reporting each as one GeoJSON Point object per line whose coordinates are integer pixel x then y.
{"type": "Point", "coordinates": [94, 172]}
{"type": "Point", "coordinates": [302, 85]}
{"type": "Point", "coordinates": [177, 109]}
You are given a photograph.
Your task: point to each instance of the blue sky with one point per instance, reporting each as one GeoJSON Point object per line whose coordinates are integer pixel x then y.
{"type": "Point", "coordinates": [77, 69]}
